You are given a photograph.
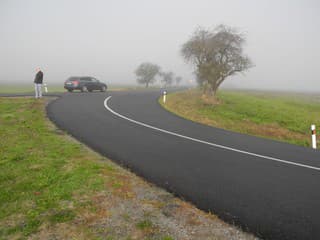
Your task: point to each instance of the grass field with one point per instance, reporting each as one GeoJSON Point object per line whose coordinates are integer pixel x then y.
{"type": "Point", "coordinates": [21, 88]}
{"type": "Point", "coordinates": [281, 116]}
{"type": "Point", "coordinates": [55, 88]}
{"type": "Point", "coordinates": [52, 187]}
{"type": "Point", "coordinates": [40, 171]}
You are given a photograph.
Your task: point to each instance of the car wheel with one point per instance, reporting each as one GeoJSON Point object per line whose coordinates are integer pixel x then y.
{"type": "Point", "coordinates": [103, 89]}
{"type": "Point", "coordinates": [84, 89]}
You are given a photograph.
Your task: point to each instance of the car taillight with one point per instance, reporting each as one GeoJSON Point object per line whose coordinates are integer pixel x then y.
{"type": "Point", "coordinates": [75, 83]}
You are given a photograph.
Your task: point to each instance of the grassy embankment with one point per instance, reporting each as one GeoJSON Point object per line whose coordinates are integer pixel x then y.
{"type": "Point", "coordinates": [52, 187]}
{"type": "Point", "coordinates": [280, 116]}
{"type": "Point", "coordinates": [40, 171]}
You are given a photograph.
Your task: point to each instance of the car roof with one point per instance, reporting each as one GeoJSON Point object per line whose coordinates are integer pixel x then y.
{"type": "Point", "coordinates": [77, 77]}
{"type": "Point", "coordinates": [81, 76]}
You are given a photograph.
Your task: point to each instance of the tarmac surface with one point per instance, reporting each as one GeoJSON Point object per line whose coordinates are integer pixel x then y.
{"type": "Point", "coordinates": [267, 187]}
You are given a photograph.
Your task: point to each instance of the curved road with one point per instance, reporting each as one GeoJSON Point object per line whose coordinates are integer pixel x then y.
{"type": "Point", "coordinates": [267, 187]}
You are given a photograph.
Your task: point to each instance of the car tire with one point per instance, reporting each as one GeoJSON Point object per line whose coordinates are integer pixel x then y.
{"type": "Point", "coordinates": [103, 89]}
{"type": "Point", "coordinates": [84, 89]}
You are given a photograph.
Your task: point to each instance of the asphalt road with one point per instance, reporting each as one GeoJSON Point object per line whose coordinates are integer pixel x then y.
{"type": "Point", "coordinates": [266, 187]}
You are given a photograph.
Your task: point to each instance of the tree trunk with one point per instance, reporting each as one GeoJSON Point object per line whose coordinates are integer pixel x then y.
{"type": "Point", "coordinates": [215, 92]}
{"type": "Point", "coordinates": [209, 91]}
{"type": "Point", "coordinates": [218, 85]}
{"type": "Point", "coordinates": [147, 84]}
{"type": "Point", "coordinates": [209, 96]}
{"type": "Point", "coordinates": [203, 88]}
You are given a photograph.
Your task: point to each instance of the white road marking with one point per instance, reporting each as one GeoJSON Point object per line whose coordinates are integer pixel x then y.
{"type": "Point", "coordinates": [204, 142]}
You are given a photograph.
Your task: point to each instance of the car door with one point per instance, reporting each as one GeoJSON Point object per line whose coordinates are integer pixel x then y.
{"type": "Point", "coordinates": [95, 84]}
{"type": "Point", "coordinates": [88, 83]}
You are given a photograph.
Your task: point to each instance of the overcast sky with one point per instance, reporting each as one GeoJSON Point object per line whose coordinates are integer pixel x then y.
{"type": "Point", "coordinates": [109, 39]}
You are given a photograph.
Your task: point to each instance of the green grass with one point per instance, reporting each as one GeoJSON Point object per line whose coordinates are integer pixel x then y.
{"type": "Point", "coordinates": [40, 170]}
{"type": "Point", "coordinates": [167, 238]}
{"type": "Point", "coordinates": [62, 216]}
{"type": "Point", "coordinates": [145, 224]}
{"type": "Point", "coordinates": [280, 116]}
{"type": "Point", "coordinates": [24, 88]}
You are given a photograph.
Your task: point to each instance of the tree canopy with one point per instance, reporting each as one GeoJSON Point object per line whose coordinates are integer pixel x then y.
{"type": "Point", "coordinates": [167, 78]}
{"type": "Point", "coordinates": [146, 73]}
{"type": "Point", "coordinates": [216, 55]}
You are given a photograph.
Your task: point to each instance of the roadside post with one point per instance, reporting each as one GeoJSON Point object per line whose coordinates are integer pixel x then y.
{"type": "Point", "coordinates": [313, 136]}
{"type": "Point", "coordinates": [164, 96]}
{"type": "Point", "coordinates": [45, 87]}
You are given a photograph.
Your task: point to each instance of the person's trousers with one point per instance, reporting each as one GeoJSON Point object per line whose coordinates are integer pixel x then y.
{"type": "Point", "coordinates": [38, 90]}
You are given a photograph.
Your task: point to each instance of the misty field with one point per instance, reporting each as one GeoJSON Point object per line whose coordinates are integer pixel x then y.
{"type": "Point", "coordinates": [280, 116]}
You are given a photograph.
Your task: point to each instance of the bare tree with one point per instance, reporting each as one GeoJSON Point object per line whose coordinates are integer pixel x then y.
{"type": "Point", "coordinates": [146, 73]}
{"type": "Point", "coordinates": [167, 78]}
{"type": "Point", "coordinates": [216, 55]}
{"type": "Point", "coordinates": [178, 80]}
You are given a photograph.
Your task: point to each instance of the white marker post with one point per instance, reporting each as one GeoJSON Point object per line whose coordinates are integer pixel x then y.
{"type": "Point", "coordinates": [313, 136]}
{"type": "Point", "coordinates": [164, 96]}
{"type": "Point", "coordinates": [45, 87]}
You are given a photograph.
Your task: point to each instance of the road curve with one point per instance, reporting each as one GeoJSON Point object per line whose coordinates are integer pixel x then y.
{"type": "Point", "coordinates": [266, 187]}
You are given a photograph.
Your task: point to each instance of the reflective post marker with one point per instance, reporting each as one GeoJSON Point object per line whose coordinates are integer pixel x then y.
{"type": "Point", "coordinates": [45, 87]}
{"type": "Point", "coordinates": [164, 96]}
{"type": "Point", "coordinates": [313, 136]}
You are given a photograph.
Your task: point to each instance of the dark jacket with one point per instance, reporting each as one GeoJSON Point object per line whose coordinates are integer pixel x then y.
{"type": "Point", "coordinates": [39, 77]}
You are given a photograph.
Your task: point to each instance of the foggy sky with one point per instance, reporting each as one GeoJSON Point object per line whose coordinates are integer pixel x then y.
{"type": "Point", "coordinates": [109, 39]}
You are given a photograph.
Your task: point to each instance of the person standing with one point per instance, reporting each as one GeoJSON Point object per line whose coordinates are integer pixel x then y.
{"type": "Point", "coordinates": [38, 83]}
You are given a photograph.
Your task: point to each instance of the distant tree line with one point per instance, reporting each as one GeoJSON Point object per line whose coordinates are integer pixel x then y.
{"type": "Point", "coordinates": [215, 54]}
{"type": "Point", "coordinates": [147, 74]}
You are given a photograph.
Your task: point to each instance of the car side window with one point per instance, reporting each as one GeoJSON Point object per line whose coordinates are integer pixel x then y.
{"type": "Point", "coordinates": [86, 79]}
{"type": "Point", "coordinates": [94, 80]}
